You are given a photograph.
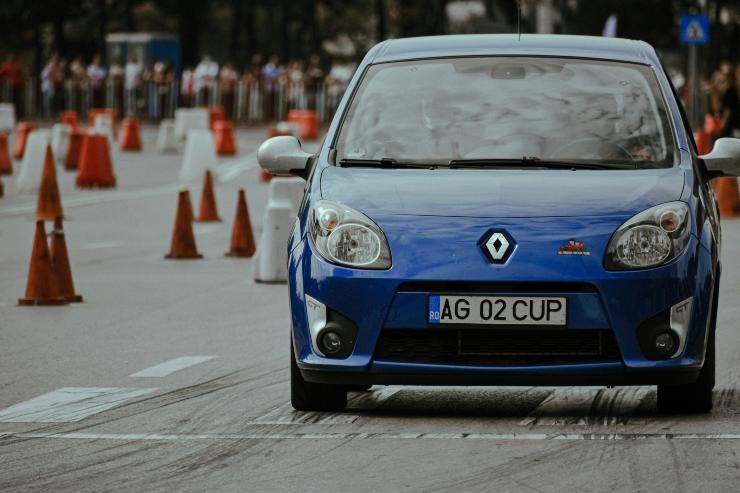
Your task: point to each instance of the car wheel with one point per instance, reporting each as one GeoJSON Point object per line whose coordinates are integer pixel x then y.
{"type": "Point", "coordinates": [308, 396]}
{"type": "Point", "coordinates": [693, 397]}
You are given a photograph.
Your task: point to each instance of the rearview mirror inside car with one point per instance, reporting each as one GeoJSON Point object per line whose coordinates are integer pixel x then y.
{"type": "Point", "coordinates": [283, 156]}
{"type": "Point", "coordinates": [724, 160]}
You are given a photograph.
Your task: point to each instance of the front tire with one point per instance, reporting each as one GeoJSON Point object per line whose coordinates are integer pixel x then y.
{"type": "Point", "coordinates": [308, 396]}
{"type": "Point", "coordinates": [693, 397]}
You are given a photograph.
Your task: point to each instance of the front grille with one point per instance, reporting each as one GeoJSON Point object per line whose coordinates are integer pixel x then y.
{"type": "Point", "coordinates": [492, 347]}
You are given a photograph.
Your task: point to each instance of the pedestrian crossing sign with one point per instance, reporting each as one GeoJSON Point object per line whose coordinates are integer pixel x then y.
{"type": "Point", "coordinates": [694, 29]}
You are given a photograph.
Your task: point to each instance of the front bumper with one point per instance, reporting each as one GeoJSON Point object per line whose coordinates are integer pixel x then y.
{"type": "Point", "coordinates": [598, 299]}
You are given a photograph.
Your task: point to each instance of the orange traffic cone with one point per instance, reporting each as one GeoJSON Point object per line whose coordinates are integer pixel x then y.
{"type": "Point", "coordinates": [101, 111]}
{"type": "Point", "coordinates": [728, 198]}
{"type": "Point", "coordinates": [225, 144]}
{"type": "Point", "coordinates": [72, 159]}
{"type": "Point", "coordinates": [6, 165]}
{"type": "Point", "coordinates": [21, 136]}
{"type": "Point", "coordinates": [95, 168]}
{"type": "Point", "coordinates": [60, 263]}
{"type": "Point", "coordinates": [208, 210]}
{"type": "Point", "coordinates": [183, 241]}
{"type": "Point", "coordinates": [42, 286]}
{"type": "Point", "coordinates": [49, 204]}
{"type": "Point", "coordinates": [215, 114]}
{"type": "Point", "coordinates": [242, 238]}
{"type": "Point", "coordinates": [131, 140]}
{"type": "Point", "coordinates": [703, 142]}
{"type": "Point", "coordinates": [70, 118]}
{"type": "Point", "coordinates": [307, 123]}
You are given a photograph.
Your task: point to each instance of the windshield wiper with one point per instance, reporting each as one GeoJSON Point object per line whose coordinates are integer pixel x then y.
{"type": "Point", "coordinates": [386, 162]}
{"type": "Point", "coordinates": [534, 162]}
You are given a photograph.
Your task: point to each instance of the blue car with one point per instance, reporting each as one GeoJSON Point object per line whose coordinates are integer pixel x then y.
{"type": "Point", "coordinates": [489, 210]}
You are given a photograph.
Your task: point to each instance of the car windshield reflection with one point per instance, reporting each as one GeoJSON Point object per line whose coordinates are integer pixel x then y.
{"type": "Point", "coordinates": [442, 110]}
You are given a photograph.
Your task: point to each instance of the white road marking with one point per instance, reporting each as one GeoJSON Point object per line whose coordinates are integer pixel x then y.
{"type": "Point", "coordinates": [370, 436]}
{"type": "Point", "coordinates": [229, 170]}
{"type": "Point", "coordinates": [362, 401]}
{"type": "Point", "coordinates": [171, 366]}
{"type": "Point", "coordinates": [98, 197]}
{"type": "Point", "coordinates": [584, 406]}
{"type": "Point", "coordinates": [69, 404]}
{"type": "Point", "coordinates": [103, 244]}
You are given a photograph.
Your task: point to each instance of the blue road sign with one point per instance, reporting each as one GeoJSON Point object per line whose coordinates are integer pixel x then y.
{"type": "Point", "coordinates": [694, 29]}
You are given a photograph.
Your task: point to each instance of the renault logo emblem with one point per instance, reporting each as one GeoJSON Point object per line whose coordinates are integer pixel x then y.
{"type": "Point", "coordinates": [498, 246]}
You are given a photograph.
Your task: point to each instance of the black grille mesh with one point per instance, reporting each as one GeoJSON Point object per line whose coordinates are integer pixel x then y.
{"type": "Point", "coordinates": [497, 347]}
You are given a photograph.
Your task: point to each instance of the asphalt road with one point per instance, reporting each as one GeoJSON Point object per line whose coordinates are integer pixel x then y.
{"type": "Point", "coordinates": [173, 375]}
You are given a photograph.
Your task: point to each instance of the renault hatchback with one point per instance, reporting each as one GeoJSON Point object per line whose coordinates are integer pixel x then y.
{"type": "Point", "coordinates": [489, 210]}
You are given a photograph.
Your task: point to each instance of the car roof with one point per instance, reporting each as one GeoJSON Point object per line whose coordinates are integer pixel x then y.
{"type": "Point", "coordinates": [617, 49]}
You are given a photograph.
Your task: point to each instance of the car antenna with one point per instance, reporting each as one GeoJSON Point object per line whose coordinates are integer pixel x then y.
{"type": "Point", "coordinates": [519, 18]}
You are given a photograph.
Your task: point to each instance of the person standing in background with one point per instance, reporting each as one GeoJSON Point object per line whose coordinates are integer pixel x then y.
{"type": "Point", "coordinates": [96, 74]}
{"type": "Point", "coordinates": [49, 75]}
{"type": "Point", "coordinates": [727, 110]}
{"type": "Point", "coordinates": [294, 77]}
{"type": "Point", "coordinates": [206, 74]}
{"type": "Point", "coordinates": [78, 77]}
{"type": "Point", "coordinates": [227, 79]}
{"type": "Point", "coordinates": [12, 77]}
{"type": "Point", "coordinates": [314, 79]}
{"type": "Point", "coordinates": [116, 76]}
{"type": "Point", "coordinates": [132, 84]}
{"type": "Point", "coordinates": [187, 87]}
{"type": "Point", "coordinates": [270, 74]}
{"type": "Point", "coordinates": [252, 80]}
{"type": "Point", "coordinates": [163, 78]}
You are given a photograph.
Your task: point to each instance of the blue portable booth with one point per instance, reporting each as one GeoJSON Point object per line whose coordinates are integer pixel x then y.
{"type": "Point", "coordinates": [148, 48]}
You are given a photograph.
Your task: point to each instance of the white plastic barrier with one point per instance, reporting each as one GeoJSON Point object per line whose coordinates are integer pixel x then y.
{"type": "Point", "coordinates": [166, 137]}
{"type": "Point", "coordinates": [32, 165]}
{"type": "Point", "coordinates": [284, 198]}
{"type": "Point", "coordinates": [103, 125]}
{"type": "Point", "coordinates": [187, 119]}
{"type": "Point", "coordinates": [7, 117]}
{"type": "Point", "coordinates": [60, 140]}
{"type": "Point", "coordinates": [200, 155]}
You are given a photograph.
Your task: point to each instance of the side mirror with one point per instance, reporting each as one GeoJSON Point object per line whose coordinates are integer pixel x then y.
{"type": "Point", "coordinates": [724, 160]}
{"type": "Point", "coordinates": [283, 156]}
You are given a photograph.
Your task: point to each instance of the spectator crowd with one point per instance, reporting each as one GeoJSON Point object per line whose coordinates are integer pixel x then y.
{"type": "Point", "coordinates": [262, 90]}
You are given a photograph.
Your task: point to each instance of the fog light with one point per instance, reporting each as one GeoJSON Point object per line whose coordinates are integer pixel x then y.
{"type": "Point", "coordinates": [665, 343]}
{"type": "Point", "coordinates": [331, 343]}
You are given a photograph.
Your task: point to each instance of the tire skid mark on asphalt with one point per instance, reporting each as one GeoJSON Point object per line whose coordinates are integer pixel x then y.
{"type": "Point", "coordinates": [362, 401]}
{"type": "Point", "coordinates": [587, 406]}
{"type": "Point", "coordinates": [132, 437]}
{"type": "Point", "coordinates": [69, 404]}
{"type": "Point", "coordinates": [159, 401]}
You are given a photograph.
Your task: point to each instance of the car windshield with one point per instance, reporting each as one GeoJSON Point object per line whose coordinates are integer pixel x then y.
{"type": "Point", "coordinates": [522, 109]}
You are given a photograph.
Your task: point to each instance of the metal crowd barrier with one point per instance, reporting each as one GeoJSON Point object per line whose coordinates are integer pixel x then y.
{"type": "Point", "coordinates": [244, 102]}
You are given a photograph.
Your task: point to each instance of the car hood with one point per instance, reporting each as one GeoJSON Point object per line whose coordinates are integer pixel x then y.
{"type": "Point", "coordinates": [500, 193]}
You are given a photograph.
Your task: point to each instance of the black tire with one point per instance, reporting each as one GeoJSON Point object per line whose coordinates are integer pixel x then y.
{"type": "Point", "coordinates": [693, 397]}
{"type": "Point", "coordinates": [308, 396]}
{"type": "Point", "coordinates": [358, 388]}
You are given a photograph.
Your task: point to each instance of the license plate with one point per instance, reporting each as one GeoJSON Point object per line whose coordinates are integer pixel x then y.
{"type": "Point", "coordinates": [497, 310]}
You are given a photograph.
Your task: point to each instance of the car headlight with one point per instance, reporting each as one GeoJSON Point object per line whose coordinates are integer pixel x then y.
{"type": "Point", "coordinates": [651, 238]}
{"type": "Point", "coordinates": [346, 237]}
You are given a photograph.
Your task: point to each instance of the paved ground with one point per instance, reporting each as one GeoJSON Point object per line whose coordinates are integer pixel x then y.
{"type": "Point", "coordinates": [173, 376]}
